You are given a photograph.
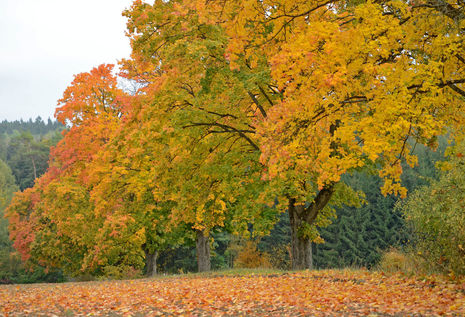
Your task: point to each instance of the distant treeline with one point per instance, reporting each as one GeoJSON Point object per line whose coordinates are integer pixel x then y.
{"type": "Point", "coordinates": [35, 127]}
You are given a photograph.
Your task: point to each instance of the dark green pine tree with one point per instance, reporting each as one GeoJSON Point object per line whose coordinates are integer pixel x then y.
{"type": "Point", "coordinates": [358, 235]}
{"type": "Point", "coordinates": [27, 158]}
{"type": "Point", "coordinates": [36, 127]}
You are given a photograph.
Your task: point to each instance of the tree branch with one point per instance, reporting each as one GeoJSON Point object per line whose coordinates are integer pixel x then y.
{"type": "Point", "coordinates": [445, 8]}
{"type": "Point", "coordinates": [266, 96]}
{"type": "Point", "coordinates": [457, 90]}
{"type": "Point", "coordinates": [320, 201]}
{"type": "Point", "coordinates": [222, 115]}
{"type": "Point", "coordinates": [227, 128]}
{"type": "Point", "coordinates": [255, 101]}
{"type": "Point", "coordinates": [460, 58]}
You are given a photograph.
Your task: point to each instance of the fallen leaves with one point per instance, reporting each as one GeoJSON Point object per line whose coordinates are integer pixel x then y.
{"type": "Point", "coordinates": [316, 293]}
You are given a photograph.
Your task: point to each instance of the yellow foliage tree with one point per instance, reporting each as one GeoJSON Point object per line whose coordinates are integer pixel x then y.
{"type": "Point", "coordinates": [327, 87]}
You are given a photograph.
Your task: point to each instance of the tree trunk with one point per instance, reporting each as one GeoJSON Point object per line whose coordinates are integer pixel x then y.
{"type": "Point", "coordinates": [300, 215]}
{"type": "Point", "coordinates": [151, 263]}
{"type": "Point", "coordinates": [301, 246]}
{"type": "Point", "coordinates": [203, 252]}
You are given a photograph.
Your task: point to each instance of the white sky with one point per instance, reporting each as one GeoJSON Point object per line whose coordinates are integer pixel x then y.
{"type": "Point", "coordinates": [43, 43]}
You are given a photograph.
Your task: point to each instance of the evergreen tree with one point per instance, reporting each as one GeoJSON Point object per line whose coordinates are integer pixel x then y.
{"type": "Point", "coordinates": [27, 158]}
{"type": "Point", "coordinates": [277, 243]}
{"type": "Point", "coordinates": [358, 235]}
{"type": "Point", "coordinates": [23, 150]}
{"type": "Point", "coordinates": [35, 127]}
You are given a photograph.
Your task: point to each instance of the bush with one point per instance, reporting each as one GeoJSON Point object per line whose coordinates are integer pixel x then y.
{"type": "Point", "coordinates": [436, 217]}
{"type": "Point", "coordinates": [393, 261]}
{"type": "Point", "coordinates": [12, 271]}
{"type": "Point", "coordinates": [121, 272]}
{"type": "Point", "coordinates": [248, 256]}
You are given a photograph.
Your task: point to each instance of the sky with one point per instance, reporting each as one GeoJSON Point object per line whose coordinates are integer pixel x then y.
{"type": "Point", "coordinates": [44, 43]}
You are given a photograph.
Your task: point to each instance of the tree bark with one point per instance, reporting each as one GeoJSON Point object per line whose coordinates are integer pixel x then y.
{"type": "Point", "coordinates": [299, 215]}
{"type": "Point", "coordinates": [151, 263]}
{"type": "Point", "coordinates": [203, 251]}
{"type": "Point", "coordinates": [301, 246]}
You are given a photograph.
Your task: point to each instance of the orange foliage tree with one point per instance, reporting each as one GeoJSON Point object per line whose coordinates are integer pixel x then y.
{"type": "Point", "coordinates": [54, 223]}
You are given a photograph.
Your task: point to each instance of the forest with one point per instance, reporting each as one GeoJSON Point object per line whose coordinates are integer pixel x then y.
{"type": "Point", "coordinates": [282, 135]}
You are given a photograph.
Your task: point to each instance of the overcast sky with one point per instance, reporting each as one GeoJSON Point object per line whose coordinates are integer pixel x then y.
{"type": "Point", "coordinates": [43, 43]}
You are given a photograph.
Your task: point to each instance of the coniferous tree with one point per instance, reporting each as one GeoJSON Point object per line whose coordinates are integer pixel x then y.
{"type": "Point", "coordinates": [358, 235]}
{"type": "Point", "coordinates": [35, 127]}
{"type": "Point", "coordinates": [27, 159]}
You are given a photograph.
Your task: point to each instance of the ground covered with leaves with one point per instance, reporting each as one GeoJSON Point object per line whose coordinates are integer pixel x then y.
{"type": "Point", "coordinates": [316, 293]}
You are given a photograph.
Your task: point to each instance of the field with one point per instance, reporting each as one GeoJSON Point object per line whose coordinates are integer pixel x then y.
{"type": "Point", "coordinates": [315, 293]}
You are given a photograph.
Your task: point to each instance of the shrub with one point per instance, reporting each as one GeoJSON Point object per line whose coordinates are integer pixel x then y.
{"type": "Point", "coordinates": [393, 261]}
{"type": "Point", "coordinates": [436, 216]}
{"type": "Point", "coordinates": [249, 256]}
{"type": "Point", "coordinates": [281, 258]}
{"type": "Point", "coordinates": [13, 271]}
{"type": "Point", "coordinates": [121, 272]}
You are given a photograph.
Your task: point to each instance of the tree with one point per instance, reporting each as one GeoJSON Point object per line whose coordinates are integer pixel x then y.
{"type": "Point", "coordinates": [200, 118]}
{"type": "Point", "coordinates": [54, 223]}
{"type": "Point", "coordinates": [348, 84]}
{"type": "Point", "coordinates": [27, 159]}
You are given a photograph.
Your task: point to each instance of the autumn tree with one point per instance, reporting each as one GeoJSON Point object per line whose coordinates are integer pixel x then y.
{"type": "Point", "coordinates": [54, 223]}
{"type": "Point", "coordinates": [125, 180]}
{"type": "Point", "coordinates": [200, 116]}
{"type": "Point", "coordinates": [243, 109]}
{"type": "Point", "coordinates": [358, 83]}
{"type": "Point", "coordinates": [328, 87]}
